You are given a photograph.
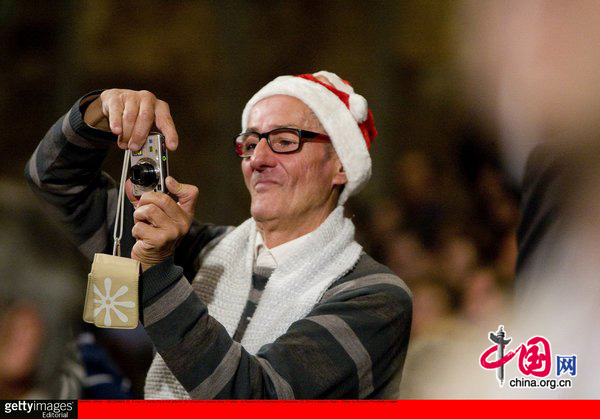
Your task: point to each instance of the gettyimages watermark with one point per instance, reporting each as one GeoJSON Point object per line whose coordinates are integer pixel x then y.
{"type": "Point", "coordinates": [40, 408]}
{"type": "Point", "coordinates": [535, 362]}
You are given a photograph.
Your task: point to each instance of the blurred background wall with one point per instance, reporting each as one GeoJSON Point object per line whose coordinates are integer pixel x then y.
{"type": "Point", "coordinates": [439, 210]}
{"type": "Point", "coordinates": [206, 58]}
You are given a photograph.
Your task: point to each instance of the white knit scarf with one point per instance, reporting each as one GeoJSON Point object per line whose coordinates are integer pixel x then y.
{"type": "Point", "coordinates": [225, 279]}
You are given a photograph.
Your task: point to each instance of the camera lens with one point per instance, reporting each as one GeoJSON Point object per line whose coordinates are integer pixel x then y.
{"type": "Point", "coordinates": [144, 174]}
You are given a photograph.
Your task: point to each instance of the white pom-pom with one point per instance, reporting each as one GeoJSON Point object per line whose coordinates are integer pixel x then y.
{"type": "Point", "coordinates": [358, 107]}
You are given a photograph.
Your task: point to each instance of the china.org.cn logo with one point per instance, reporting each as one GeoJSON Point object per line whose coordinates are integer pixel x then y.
{"type": "Point", "coordinates": [535, 360]}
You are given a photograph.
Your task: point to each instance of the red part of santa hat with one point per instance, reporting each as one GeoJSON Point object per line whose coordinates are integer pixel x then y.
{"type": "Point", "coordinates": [344, 115]}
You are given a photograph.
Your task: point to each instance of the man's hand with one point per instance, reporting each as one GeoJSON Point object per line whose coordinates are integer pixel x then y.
{"type": "Point", "coordinates": [131, 115]}
{"type": "Point", "coordinates": [160, 222]}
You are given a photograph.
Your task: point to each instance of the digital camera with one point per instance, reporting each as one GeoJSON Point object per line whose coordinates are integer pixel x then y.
{"type": "Point", "coordinates": [150, 165]}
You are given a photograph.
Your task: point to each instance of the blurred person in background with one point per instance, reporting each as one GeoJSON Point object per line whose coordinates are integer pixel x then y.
{"type": "Point", "coordinates": [434, 320]}
{"type": "Point", "coordinates": [433, 307]}
{"type": "Point", "coordinates": [41, 288]}
{"type": "Point", "coordinates": [418, 192]}
{"type": "Point", "coordinates": [458, 256]}
{"type": "Point", "coordinates": [287, 305]}
{"type": "Point", "coordinates": [484, 297]}
{"type": "Point", "coordinates": [406, 255]}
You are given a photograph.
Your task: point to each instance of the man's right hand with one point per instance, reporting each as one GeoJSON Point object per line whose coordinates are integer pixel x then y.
{"type": "Point", "coordinates": [161, 222]}
{"type": "Point", "coordinates": [131, 115]}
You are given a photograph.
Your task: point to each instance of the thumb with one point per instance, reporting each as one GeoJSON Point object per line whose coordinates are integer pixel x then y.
{"type": "Point", "coordinates": [187, 195]}
{"type": "Point", "coordinates": [129, 192]}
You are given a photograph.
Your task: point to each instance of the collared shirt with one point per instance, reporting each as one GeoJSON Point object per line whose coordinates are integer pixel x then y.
{"type": "Point", "coordinates": [271, 258]}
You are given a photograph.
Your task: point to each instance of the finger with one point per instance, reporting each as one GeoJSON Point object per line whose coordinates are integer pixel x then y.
{"type": "Point", "coordinates": [165, 203]}
{"type": "Point", "coordinates": [164, 122]}
{"type": "Point", "coordinates": [143, 232]}
{"type": "Point", "coordinates": [130, 113]}
{"type": "Point", "coordinates": [187, 195]}
{"type": "Point", "coordinates": [120, 143]}
{"type": "Point", "coordinates": [112, 108]}
{"type": "Point", "coordinates": [154, 238]}
{"type": "Point", "coordinates": [129, 192]}
{"type": "Point", "coordinates": [144, 120]}
{"type": "Point", "coordinates": [151, 214]}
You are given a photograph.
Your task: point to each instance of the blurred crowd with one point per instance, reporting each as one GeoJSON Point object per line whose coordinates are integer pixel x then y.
{"type": "Point", "coordinates": [452, 237]}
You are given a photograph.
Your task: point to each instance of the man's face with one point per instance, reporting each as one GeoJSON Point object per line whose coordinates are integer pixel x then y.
{"type": "Point", "coordinates": [290, 191]}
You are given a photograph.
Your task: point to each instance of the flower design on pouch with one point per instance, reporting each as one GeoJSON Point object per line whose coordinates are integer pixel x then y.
{"type": "Point", "coordinates": [109, 302]}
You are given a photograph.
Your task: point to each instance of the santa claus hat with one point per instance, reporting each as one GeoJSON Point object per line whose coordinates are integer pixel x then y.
{"type": "Point", "coordinates": [344, 114]}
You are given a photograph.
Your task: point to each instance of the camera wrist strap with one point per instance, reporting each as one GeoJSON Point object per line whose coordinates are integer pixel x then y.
{"type": "Point", "coordinates": [118, 230]}
{"type": "Point", "coordinates": [112, 291]}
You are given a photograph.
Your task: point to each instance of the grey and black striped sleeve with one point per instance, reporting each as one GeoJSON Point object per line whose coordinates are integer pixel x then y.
{"type": "Point", "coordinates": [351, 345]}
{"type": "Point", "coordinates": [65, 171]}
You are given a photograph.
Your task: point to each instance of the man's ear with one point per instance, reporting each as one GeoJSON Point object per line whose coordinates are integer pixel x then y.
{"type": "Point", "coordinates": [340, 177]}
{"type": "Point", "coordinates": [22, 335]}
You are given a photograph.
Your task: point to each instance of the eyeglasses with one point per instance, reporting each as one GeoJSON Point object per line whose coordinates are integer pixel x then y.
{"type": "Point", "coordinates": [280, 140]}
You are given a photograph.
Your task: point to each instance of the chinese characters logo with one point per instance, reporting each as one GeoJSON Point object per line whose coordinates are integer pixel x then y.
{"type": "Point", "coordinates": [535, 357]}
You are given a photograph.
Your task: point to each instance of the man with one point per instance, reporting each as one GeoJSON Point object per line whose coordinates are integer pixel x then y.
{"type": "Point", "coordinates": [286, 305]}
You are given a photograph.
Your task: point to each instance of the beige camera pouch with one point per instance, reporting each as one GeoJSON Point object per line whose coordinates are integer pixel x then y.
{"type": "Point", "coordinates": [111, 299]}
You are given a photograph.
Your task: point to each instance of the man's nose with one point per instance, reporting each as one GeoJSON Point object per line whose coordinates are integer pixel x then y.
{"type": "Point", "coordinates": [263, 155]}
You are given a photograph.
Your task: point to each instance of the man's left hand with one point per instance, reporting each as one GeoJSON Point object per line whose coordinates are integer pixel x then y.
{"type": "Point", "coordinates": [160, 222]}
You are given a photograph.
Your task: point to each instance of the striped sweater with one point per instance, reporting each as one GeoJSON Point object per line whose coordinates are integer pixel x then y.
{"type": "Point", "coordinates": [352, 344]}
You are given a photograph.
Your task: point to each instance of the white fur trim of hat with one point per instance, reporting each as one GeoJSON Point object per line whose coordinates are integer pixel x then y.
{"type": "Point", "coordinates": [344, 115]}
